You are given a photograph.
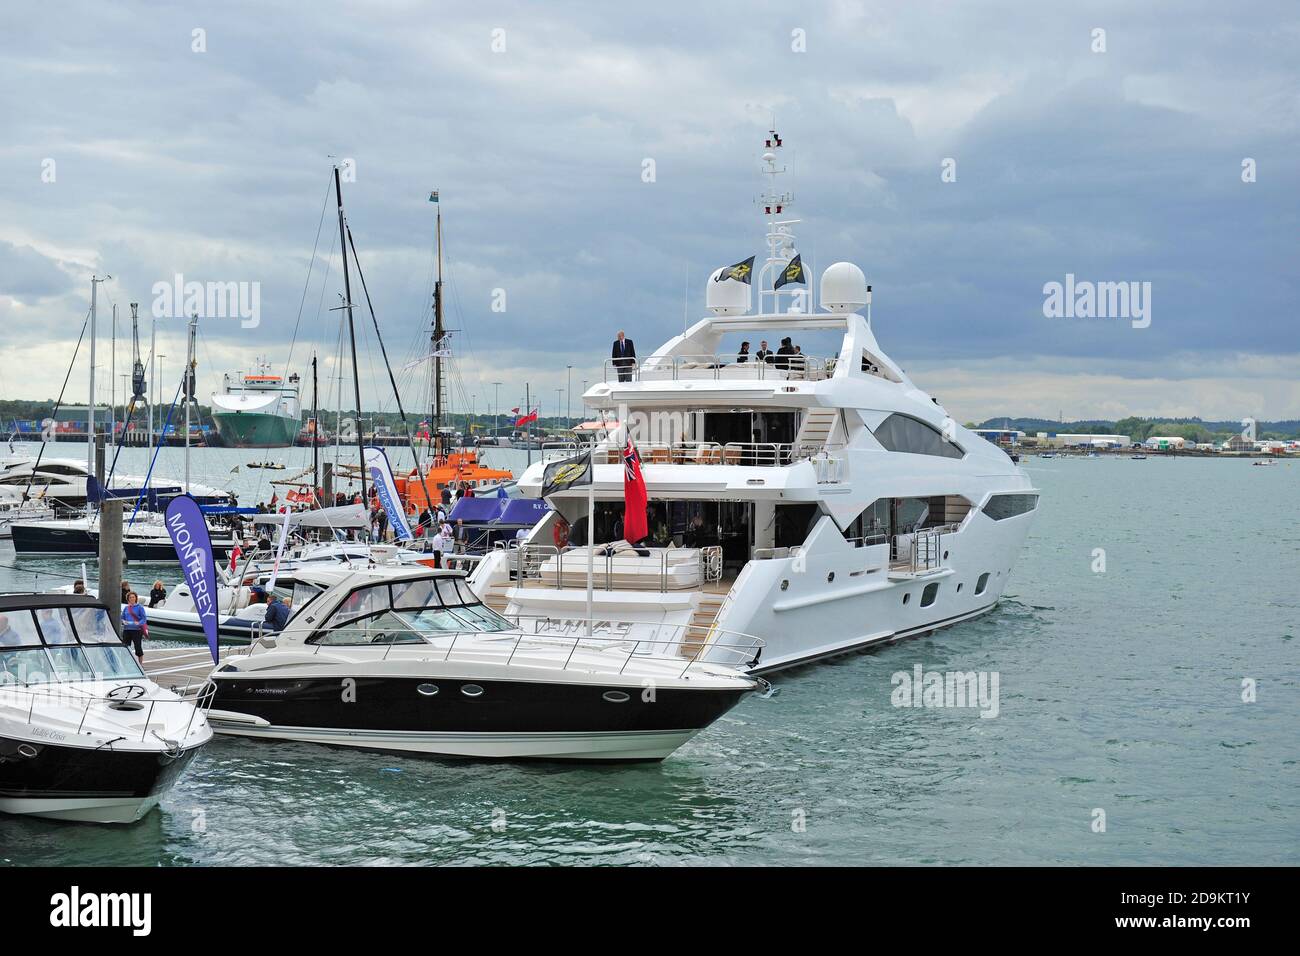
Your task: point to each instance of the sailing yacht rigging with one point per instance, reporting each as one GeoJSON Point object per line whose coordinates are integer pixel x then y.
{"type": "Point", "coordinates": [822, 504]}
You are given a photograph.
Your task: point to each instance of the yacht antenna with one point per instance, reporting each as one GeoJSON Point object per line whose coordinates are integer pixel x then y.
{"type": "Point", "coordinates": [776, 202]}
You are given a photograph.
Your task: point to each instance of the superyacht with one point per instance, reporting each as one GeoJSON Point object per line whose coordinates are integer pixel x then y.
{"type": "Point", "coordinates": [821, 503]}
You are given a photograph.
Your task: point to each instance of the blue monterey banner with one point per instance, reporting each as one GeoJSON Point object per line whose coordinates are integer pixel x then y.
{"type": "Point", "coordinates": [189, 534]}
{"type": "Point", "coordinates": [386, 488]}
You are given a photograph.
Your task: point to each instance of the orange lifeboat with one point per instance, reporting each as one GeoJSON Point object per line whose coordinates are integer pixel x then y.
{"type": "Point", "coordinates": [459, 467]}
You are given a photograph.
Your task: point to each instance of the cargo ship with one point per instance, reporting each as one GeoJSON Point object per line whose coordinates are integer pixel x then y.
{"type": "Point", "coordinates": [257, 409]}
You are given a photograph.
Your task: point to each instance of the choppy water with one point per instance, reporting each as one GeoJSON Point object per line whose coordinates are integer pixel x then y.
{"type": "Point", "coordinates": [1120, 691]}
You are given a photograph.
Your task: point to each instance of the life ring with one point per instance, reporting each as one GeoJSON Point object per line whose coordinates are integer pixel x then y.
{"type": "Point", "coordinates": [561, 533]}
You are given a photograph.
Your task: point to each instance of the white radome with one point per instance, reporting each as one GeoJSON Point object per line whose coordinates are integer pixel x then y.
{"type": "Point", "coordinates": [728, 297]}
{"type": "Point", "coordinates": [844, 288]}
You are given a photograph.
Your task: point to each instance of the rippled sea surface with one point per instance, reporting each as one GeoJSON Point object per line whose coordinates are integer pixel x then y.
{"type": "Point", "coordinates": [1120, 691]}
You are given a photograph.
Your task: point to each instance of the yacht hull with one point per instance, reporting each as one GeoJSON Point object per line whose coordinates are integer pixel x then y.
{"type": "Point", "coordinates": [99, 785]}
{"type": "Point", "coordinates": [508, 719]}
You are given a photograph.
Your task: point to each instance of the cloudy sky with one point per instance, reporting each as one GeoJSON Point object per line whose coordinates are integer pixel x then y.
{"type": "Point", "coordinates": [136, 147]}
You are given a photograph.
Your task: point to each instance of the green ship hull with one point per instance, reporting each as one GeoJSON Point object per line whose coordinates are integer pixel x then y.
{"type": "Point", "coordinates": [255, 429]}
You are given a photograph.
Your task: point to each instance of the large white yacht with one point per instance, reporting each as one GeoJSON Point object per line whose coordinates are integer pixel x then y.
{"type": "Point", "coordinates": [822, 504]}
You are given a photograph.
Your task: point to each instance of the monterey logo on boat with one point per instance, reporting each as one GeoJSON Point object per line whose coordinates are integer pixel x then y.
{"type": "Point", "coordinates": [76, 909]}
{"type": "Point", "coordinates": [179, 299]}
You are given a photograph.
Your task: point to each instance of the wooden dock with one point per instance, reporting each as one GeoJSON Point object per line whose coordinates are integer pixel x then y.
{"type": "Point", "coordinates": [183, 669]}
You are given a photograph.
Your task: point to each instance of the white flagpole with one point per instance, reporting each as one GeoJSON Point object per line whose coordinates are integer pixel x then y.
{"type": "Point", "coordinates": [279, 549]}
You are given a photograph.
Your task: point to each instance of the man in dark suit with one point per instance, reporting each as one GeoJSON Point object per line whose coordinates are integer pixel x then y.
{"type": "Point", "coordinates": [624, 356]}
{"type": "Point", "coordinates": [764, 353]}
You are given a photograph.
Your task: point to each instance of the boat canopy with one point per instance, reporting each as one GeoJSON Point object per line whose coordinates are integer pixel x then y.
{"type": "Point", "coordinates": [524, 512]}
{"type": "Point", "coordinates": [478, 510]}
{"type": "Point", "coordinates": [342, 516]}
{"type": "Point", "coordinates": [515, 512]}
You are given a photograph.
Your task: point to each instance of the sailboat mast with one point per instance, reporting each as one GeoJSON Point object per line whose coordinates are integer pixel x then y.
{"type": "Point", "coordinates": [90, 406]}
{"type": "Point", "coordinates": [315, 435]}
{"type": "Point", "coordinates": [438, 333]}
{"type": "Point", "coordinates": [189, 392]}
{"type": "Point", "coordinates": [352, 333]}
{"type": "Point", "coordinates": [112, 379]}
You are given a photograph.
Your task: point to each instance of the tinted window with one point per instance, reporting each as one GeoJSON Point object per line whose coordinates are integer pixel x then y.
{"type": "Point", "coordinates": [911, 435]}
{"type": "Point", "coordinates": [982, 583]}
{"type": "Point", "coordinates": [17, 629]}
{"type": "Point", "coordinates": [1008, 506]}
{"type": "Point", "coordinates": [929, 594]}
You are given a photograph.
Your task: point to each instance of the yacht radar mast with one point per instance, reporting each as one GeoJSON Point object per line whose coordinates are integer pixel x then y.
{"type": "Point", "coordinates": [776, 202]}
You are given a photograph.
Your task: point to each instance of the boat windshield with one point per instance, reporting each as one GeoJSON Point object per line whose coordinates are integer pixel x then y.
{"type": "Point", "coordinates": [408, 612]}
{"type": "Point", "coordinates": [54, 645]}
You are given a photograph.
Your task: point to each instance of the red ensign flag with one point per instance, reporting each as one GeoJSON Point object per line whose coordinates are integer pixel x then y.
{"type": "Point", "coordinates": [635, 526]}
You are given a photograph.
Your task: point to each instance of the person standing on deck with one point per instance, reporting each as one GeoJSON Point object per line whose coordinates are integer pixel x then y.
{"type": "Point", "coordinates": [623, 355]}
{"type": "Point", "coordinates": [135, 625]}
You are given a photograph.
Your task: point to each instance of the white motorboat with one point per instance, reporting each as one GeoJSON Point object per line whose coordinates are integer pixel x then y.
{"type": "Point", "coordinates": [84, 735]}
{"type": "Point", "coordinates": [409, 660]}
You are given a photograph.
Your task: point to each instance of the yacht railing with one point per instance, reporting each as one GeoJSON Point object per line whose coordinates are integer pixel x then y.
{"type": "Point", "coordinates": [785, 368]}
{"type": "Point", "coordinates": [691, 644]}
{"type": "Point", "coordinates": [121, 707]}
{"type": "Point", "coordinates": [926, 549]}
{"type": "Point", "coordinates": [769, 454]}
{"type": "Point", "coordinates": [533, 558]}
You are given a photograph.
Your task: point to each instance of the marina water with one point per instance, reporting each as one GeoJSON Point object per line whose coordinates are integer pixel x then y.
{"type": "Point", "coordinates": [1120, 691]}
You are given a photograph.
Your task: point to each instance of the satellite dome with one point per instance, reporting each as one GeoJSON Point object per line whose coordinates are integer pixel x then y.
{"type": "Point", "coordinates": [844, 288]}
{"type": "Point", "coordinates": [728, 297]}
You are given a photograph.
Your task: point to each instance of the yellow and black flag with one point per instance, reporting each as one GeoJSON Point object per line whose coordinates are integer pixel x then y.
{"type": "Point", "coordinates": [793, 272]}
{"type": "Point", "coordinates": [742, 271]}
{"type": "Point", "coordinates": [560, 475]}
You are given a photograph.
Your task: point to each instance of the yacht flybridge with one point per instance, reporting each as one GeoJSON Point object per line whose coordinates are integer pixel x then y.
{"type": "Point", "coordinates": [822, 504]}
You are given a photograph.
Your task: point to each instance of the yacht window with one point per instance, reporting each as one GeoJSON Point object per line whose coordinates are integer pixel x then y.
{"type": "Point", "coordinates": [482, 618]}
{"type": "Point", "coordinates": [93, 626]}
{"type": "Point", "coordinates": [447, 591]}
{"type": "Point", "coordinates": [1008, 506]}
{"type": "Point", "coordinates": [929, 594]}
{"type": "Point", "coordinates": [982, 583]}
{"type": "Point", "coordinates": [24, 667]}
{"type": "Point", "coordinates": [434, 620]}
{"type": "Point", "coordinates": [303, 594]}
{"type": "Point", "coordinates": [902, 433]}
{"type": "Point", "coordinates": [17, 629]}
{"type": "Point", "coordinates": [70, 663]}
{"type": "Point", "coordinates": [56, 626]}
{"type": "Point", "coordinates": [415, 594]}
{"type": "Point", "coordinates": [384, 628]}
{"type": "Point", "coordinates": [360, 603]}
{"type": "Point", "coordinates": [107, 663]}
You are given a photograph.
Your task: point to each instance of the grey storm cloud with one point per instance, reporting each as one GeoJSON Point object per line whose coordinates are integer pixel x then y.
{"type": "Point", "coordinates": [1123, 165]}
